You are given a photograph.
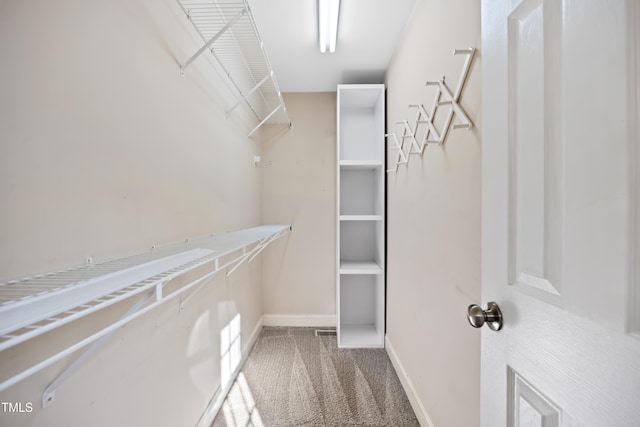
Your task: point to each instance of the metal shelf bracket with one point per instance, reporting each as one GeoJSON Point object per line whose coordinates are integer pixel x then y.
{"type": "Point", "coordinates": [208, 44]}
{"type": "Point", "coordinates": [49, 394]}
{"type": "Point", "coordinates": [229, 31]}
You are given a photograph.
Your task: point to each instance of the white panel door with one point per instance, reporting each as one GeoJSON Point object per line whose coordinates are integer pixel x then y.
{"type": "Point", "coordinates": [560, 207]}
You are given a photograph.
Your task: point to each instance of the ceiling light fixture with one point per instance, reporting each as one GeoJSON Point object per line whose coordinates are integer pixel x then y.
{"type": "Point", "coordinates": [328, 11]}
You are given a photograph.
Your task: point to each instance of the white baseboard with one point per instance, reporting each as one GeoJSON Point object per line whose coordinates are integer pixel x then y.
{"type": "Point", "coordinates": [407, 385]}
{"type": "Point", "coordinates": [209, 414]}
{"type": "Point", "coordinates": [323, 320]}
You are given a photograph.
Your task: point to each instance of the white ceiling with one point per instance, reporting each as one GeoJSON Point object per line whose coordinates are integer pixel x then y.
{"type": "Point", "coordinates": [368, 32]}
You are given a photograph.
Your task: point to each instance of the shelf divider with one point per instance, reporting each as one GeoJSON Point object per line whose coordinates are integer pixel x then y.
{"type": "Point", "coordinates": [360, 267]}
{"type": "Point", "coordinates": [360, 217]}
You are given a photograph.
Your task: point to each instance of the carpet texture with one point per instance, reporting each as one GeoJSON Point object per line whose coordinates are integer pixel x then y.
{"type": "Point", "coordinates": [294, 378]}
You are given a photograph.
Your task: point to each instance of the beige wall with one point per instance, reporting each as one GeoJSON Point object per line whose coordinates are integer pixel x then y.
{"type": "Point", "coordinates": [298, 186]}
{"type": "Point", "coordinates": [104, 146]}
{"type": "Point", "coordinates": [106, 149]}
{"type": "Point", "coordinates": [434, 220]}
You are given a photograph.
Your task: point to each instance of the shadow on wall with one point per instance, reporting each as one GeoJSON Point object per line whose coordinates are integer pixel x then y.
{"type": "Point", "coordinates": [230, 349]}
{"type": "Point", "coordinates": [273, 132]}
{"type": "Point", "coordinates": [201, 348]}
{"type": "Point", "coordinates": [363, 76]}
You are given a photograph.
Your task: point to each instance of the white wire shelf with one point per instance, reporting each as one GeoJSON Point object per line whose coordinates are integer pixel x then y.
{"type": "Point", "coordinates": [32, 306]}
{"type": "Point", "coordinates": [229, 32]}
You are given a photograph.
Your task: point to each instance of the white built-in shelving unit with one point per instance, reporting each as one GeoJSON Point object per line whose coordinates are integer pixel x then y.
{"type": "Point", "coordinates": [361, 216]}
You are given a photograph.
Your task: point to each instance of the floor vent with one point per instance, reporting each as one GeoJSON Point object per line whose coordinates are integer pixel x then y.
{"type": "Point", "coordinates": [322, 332]}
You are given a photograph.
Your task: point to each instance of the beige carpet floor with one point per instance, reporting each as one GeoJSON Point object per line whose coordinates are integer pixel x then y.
{"type": "Point", "coordinates": [294, 378]}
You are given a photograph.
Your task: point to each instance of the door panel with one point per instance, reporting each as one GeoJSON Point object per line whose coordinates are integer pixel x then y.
{"type": "Point", "coordinates": [527, 407]}
{"type": "Point", "coordinates": [527, 100]}
{"type": "Point", "coordinates": [535, 150]}
{"type": "Point", "coordinates": [560, 212]}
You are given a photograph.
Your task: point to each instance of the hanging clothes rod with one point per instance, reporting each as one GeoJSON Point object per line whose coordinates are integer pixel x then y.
{"type": "Point", "coordinates": [32, 306]}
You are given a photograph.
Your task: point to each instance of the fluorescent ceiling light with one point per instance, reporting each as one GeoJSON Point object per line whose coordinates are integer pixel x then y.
{"type": "Point", "coordinates": [328, 11]}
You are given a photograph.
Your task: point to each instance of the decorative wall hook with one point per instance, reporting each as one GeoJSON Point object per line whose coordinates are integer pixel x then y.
{"type": "Point", "coordinates": [401, 158]}
{"type": "Point", "coordinates": [443, 98]}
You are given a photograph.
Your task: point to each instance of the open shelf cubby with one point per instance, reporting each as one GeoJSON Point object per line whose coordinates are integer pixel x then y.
{"type": "Point", "coordinates": [361, 311]}
{"type": "Point", "coordinates": [359, 191]}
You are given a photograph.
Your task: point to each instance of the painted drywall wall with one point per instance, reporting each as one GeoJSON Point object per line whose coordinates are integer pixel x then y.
{"type": "Point", "coordinates": [433, 264]}
{"type": "Point", "coordinates": [298, 185]}
{"type": "Point", "coordinates": [105, 149]}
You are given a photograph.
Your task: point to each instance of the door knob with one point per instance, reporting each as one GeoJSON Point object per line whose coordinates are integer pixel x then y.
{"type": "Point", "coordinates": [491, 315]}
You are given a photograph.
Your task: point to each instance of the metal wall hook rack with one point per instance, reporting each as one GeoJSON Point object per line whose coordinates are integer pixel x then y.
{"type": "Point", "coordinates": [229, 32]}
{"type": "Point", "coordinates": [32, 306]}
{"type": "Point", "coordinates": [431, 135]}
{"type": "Point", "coordinates": [401, 158]}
